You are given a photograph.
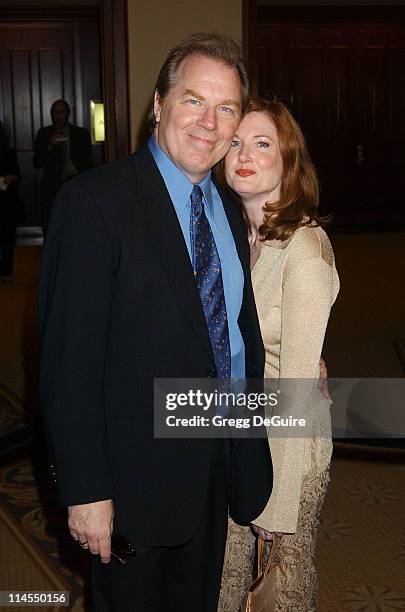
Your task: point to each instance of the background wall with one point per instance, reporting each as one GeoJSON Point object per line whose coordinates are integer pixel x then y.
{"type": "Point", "coordinates": [155, 27]}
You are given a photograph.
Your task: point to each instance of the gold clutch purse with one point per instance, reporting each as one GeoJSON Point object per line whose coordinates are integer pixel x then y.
{"type": "Point", "coordinates": [261, 595]}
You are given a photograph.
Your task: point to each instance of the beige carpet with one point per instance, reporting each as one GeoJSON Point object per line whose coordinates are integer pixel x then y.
{"type": "Point", "coordinates": [361, 548]}
{"type": "Point", "coordinates": [369, 312]}
{"type": "Point", "coordinates": [18, 327]}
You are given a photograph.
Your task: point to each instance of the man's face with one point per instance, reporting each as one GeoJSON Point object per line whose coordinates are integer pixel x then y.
{"type": "Point", "coordinates": [197, 119]}
{"type": "Point", "coordinates": [59, 114]}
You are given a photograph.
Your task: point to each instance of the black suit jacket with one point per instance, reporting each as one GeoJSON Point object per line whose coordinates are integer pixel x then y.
{"type": "Point", "coordinates": [119, 306]}
{"type": "Point", "coordinates": [51, 159]}
{"type": "Point", "coordinates": [9, 165]}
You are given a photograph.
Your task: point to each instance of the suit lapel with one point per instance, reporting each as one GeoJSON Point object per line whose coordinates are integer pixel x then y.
{"type": "Point", "coordinates": [248, 321]}
{"type": "Point", "coordinates": [167, 241]}
{"type": "Point", "coordinates": [237, 228]}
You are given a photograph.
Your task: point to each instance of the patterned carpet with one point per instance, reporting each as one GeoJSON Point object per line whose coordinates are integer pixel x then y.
{"type": "Point", "coordinates": [23, 564]}
{"type": "Point", "coordinates": [16, 426]}
{"type": "Point", "coordinates": [37, 551]}
{"type": "Point", "coordinates": [361, 547]}
{"type": "Point", "coordinates": [12, 415]}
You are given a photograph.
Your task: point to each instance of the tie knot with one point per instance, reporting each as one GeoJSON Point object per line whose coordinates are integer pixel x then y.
{"type": "Point", "coordinates": [196, 195]}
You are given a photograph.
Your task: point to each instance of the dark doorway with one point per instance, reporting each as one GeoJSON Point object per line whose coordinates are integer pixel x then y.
{"type": "Point", "coordinates": [341, 71]}
{"type": "Point", "coordinates": [43, 59]}
{"type": "Point", "coordinates": [76, 52]}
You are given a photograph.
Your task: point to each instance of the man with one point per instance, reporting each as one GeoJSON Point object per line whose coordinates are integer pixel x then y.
{"type": "Point", "coordinates": [63, 150]}
{"type": "Point", "coordinates": [124, 300]}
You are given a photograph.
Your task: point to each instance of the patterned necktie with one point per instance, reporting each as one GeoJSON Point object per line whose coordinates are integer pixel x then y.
{"type": "Point", "coordinates": [207, 271]}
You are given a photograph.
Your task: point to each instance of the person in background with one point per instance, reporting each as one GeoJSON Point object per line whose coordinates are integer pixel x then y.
{"type": "Point", "coordinates": [9, 205]}
{"type": "Point", "coordinates": [63, 150]}
{"type": "Point", "coordinates": [295, 284]}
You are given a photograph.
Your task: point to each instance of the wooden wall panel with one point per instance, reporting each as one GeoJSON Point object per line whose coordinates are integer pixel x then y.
{"type": "Point", "coordinates": [344, 81]}
{"type": "Point", "coordinates": [397, 100]}
{"type": "Point", "coordinates": [51, 80]}
{"type": "Point", "coordinates": [375, 117]}
{"type": "Point", "coordinates": [337, 102]}
{"type": "Point", "coordinates": [21, 87]}
{"type": "Point", "coordinates": [308, 100]}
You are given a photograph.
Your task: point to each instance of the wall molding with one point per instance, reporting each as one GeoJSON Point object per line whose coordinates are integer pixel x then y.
{"type": "Point", "coordinates": [114, 48]}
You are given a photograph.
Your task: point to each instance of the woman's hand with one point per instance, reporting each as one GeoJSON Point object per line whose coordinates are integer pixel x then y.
{"type": "Point", "coordinates": [266, 536]}
{"type": "Point", "coordinates": [323, 379]}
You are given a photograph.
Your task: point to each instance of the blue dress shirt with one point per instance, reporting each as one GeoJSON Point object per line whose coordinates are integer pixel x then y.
{"type": "Point", "coordinates": [179, 188]}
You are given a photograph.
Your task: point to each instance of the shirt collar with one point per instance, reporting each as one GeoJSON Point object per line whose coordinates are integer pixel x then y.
{"type": "Point", "coordinates": [177, 183]}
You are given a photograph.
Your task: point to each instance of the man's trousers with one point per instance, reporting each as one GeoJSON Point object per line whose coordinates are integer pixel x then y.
{"type": "Point", "coordinates": [184, 578]}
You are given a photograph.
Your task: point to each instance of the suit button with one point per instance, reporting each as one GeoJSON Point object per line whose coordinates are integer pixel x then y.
{"type": "Point", "coordinates": [211, 373]}
{"type": "Point", "coordinates": [52, 473]}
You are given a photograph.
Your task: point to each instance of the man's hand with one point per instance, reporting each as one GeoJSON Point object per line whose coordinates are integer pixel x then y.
{"type": "Point", "coordinates": [57, 138]}
{"type": "Point", "coordinates": [323, 379]}
{"type": "Point", "coordinates": [91, 525]}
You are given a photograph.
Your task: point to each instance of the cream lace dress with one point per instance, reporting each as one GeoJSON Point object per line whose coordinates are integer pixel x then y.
{"type": "Point", "coordinates": [295, 284]}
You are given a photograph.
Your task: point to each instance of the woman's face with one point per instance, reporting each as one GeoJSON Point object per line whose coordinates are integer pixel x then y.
{"type": "Point", "coordinates": [253, 166]}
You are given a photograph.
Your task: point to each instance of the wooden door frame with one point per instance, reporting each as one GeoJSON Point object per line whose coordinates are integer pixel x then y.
{"type": "Point", "coordinates": [114, 62]}
{"type": "Point", "coordinates": [112, 16]}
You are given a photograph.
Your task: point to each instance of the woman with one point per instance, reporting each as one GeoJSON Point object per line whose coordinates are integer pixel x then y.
{"type": "Point", "coordinates": [295, 284]}
{"type": "Point", "coordinates": [9, 202]}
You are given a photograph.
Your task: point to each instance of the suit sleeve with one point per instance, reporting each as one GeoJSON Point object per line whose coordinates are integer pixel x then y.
{"type": "Point", "coordinates": [41, 149]}
{"type": "Point", "coordinates": [75, 294]}
{"type": "Point", "coordinates": [87, 160]}
{"type": "Point", "coordinates": [306, 304]}
{"type": "Point", "coordinates": [11, 165]}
